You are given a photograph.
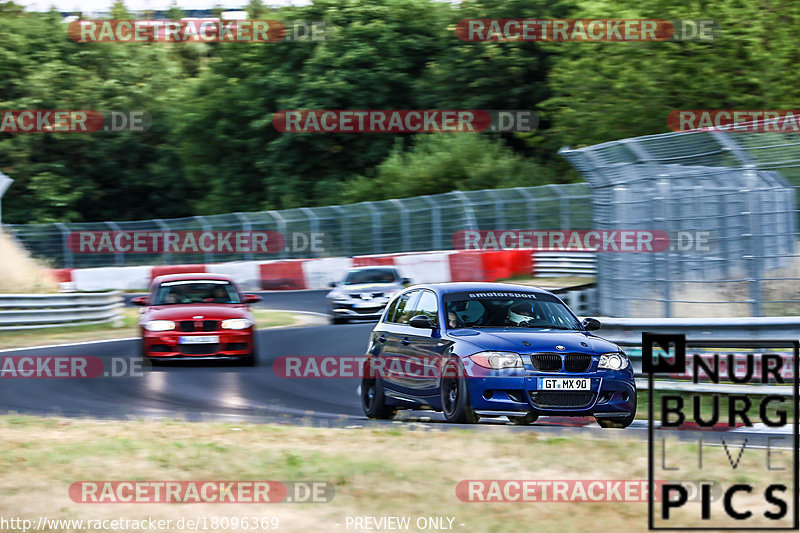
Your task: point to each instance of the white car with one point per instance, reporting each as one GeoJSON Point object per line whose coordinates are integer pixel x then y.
{"type": "Point", "coordinates": [364, 293]}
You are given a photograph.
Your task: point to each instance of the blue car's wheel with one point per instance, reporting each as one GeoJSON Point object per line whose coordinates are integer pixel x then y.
{"type": "Point", "coordinates": [373, 400]}
{"type": "Point", "coordinates": [455, 395]}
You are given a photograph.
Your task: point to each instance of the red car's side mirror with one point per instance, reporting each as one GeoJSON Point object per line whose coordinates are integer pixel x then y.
{"type": "Point", "coordinates": [139, 300]}
{"type": "Point", "coordinates": [251, 298]}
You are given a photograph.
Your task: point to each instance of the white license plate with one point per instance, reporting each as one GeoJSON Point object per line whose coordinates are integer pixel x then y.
{"type": "Point", "coordinates": [367, 305]}
{"type": "Point", "coordinates": [205, 339]}
{"type": "Point", "coordinates": [563, 384]}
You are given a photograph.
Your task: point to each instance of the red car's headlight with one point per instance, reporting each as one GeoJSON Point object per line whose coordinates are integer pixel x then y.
{"type": "Point", "coordinates": [159, 325]}
{"type": "Point", "coordinates": [236, 323]}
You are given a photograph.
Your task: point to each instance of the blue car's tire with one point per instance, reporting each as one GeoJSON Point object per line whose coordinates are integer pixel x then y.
{"type": "Point", "coordinates": [456, 404]}
{"type": "Point", "coordinates": [373, 401]}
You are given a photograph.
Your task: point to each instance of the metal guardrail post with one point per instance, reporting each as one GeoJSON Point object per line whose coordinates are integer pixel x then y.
{"type": "Point", "coordinates": [281, 222]}
{"type": "Point", "coordinates": [67, 253]}
{"type": "Point", "coordinates": [377, 243]}
{"type": "Point", "coordinates": [209, 257]}
{"type": "Point", "coordinates": [530, 204]}
{"type": "Point", "coordinates": [405, 230]}
{"type": "Point", "coordinates": [164, 229]}
{"type": "Point", "coordinates": [469, 212]}
{"type": "Point", "coordinates": [753, 259]}
{"type": "Point", "coordinates": [5, 183]}
{"type": "Point", "coordinates": [119, 259]}
{"type": "Point", "coordinates": [313, 221]}
{"type": "Point", "coordinates": [436, 222]}
{"type": "Point", "coordinates": [564, 215]}
{"type": "Point", "coordinates": [345, 229]}
{"type": "Point", "coordinates": [248, 227]}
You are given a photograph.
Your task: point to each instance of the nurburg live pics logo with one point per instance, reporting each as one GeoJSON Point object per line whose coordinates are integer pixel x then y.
{"type": "Point", "coordinates": [755, 498]}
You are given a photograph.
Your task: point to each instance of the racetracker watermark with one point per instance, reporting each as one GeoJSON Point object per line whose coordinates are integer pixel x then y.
{"type": "Point", "coordinates": [561, 490]}
{"type": "Point", "coordinates": [758, 121]}
{"type": "Point", "coordinates": [403, 120]}
{"type": "Point", "coordinates": [592, 30]}
{"type": "Point", "coordinates": [72, 121]}
{"type": "Point", "coordinates": [393, 367]}
{"type": "Point", "coordinates": [585, 240]}
{"type": "Point", "coordinates": [259, 492]}
{"type": "Point", "coordinates": [70, 367]}
{"type": "Point", "coordinates": [758, 478]}
{"type": "Point", "coordinates": [211, 30]}
{"type": "Point", "coordinates": [196, 242]}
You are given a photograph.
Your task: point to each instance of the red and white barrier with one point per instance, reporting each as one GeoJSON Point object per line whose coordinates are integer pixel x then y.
{"type": "Point", "coordinates": [299, 274]}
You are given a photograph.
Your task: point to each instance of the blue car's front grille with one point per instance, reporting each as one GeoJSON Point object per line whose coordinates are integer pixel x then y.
{"type": "Point", "coordinates": [551, 362]}
{"type": "Point", "coordinates": [577, 362]}
{"type": "Point", "coordinates": [561, 399]}
{"type": "Point", "coordinates": [546, 362]}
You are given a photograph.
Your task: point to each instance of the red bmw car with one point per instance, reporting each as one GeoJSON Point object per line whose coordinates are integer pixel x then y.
{"type": "Point", "coordinates": [195, 317]}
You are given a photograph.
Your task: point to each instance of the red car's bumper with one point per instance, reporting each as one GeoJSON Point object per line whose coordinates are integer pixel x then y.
{"type": "Point", "coordinates": [173, 345]}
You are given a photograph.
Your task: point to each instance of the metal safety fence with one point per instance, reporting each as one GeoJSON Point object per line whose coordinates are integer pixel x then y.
{"type": "Point", "coordinates": [736, 188]}
{"type": "Point", "coordinates": [416, 224]}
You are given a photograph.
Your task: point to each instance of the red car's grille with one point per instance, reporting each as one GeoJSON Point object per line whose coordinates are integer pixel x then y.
{"type": "Point", "coordinates": [198, 349]}
{"type": "Point", "coordinates": [188, 326]}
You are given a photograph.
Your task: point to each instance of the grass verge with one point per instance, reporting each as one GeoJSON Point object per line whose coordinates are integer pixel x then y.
{"type": "Point", "coordinates": [399, 470]}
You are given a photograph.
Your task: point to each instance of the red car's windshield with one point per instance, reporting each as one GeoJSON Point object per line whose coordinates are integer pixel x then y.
{"type": "Point", "coordinates": [196, 292]}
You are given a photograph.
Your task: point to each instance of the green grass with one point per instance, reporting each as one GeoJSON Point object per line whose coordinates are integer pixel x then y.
{"type": "Point", "coordinates": [398, 470]}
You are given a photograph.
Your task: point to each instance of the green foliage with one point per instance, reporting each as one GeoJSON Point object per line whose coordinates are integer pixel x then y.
{"type": "Point", "coordinates": [212, 147]}
{"type": "Point", "coordinates": [439, 163]}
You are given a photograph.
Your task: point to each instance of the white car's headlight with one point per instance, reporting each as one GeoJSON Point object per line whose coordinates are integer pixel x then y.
{"type": "Point", "coordinates": [159, 325]}
{"type": "Point", "coordinates": [497, 360]}
{"type": "Point", "coordinates": [613, 361]}
{"type": "Point", "coordinates": [236, 323]}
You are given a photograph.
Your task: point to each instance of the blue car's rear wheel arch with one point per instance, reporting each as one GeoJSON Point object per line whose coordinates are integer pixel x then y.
{"type": "Point", "coordinates": [456, 404]}
{"type": "Point", "coordinates": [373, 400]}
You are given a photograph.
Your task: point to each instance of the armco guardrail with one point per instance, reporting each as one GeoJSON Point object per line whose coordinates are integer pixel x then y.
{"type": "Point", "coordinates": [627, 332]}
{"type": "Point", "coordinates": [564, 263]}
{"type": "Point", "coordinates": [31, 311]}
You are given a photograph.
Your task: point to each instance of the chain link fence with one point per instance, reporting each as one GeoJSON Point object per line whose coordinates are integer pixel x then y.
{"type": "Point", "coordinates": [417, 224]}
{"type": "Point", "coordinates": [737, 187]}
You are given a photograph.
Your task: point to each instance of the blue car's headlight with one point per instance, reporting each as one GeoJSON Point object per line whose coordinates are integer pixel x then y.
{"type": "Point", "coordinates": [497, 360]}
{"type": "Point", "coordinates": [613, 361]}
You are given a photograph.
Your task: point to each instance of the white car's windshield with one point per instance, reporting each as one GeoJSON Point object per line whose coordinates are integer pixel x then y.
{"type": "Point", "coordinates": [377, 275]}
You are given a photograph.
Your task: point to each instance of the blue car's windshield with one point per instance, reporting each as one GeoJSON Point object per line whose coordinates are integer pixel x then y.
{"type": "Point", "coordinates": [506, 309]}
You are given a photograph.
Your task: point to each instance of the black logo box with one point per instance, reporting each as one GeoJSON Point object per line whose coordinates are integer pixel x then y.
{"type": "Point", "coordinates": [678, 341]}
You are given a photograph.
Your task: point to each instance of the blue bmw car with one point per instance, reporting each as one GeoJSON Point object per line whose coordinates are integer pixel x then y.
{"type": "Point", "coordinates": [474, 350]}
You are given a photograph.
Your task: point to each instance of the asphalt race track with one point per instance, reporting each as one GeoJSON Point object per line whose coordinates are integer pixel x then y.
{"type": "Point", "coordinates": [219, 391]}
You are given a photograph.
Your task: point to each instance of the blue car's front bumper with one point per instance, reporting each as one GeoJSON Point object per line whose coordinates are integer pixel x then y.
{"type": "Point", "coordinates": [611, 394]}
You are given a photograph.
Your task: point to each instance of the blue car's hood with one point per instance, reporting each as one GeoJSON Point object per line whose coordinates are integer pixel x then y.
{"type": "Point", "coordinates": [513, 340]}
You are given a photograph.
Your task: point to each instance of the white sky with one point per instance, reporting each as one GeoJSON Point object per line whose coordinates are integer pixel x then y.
{"type": "Point", "coordinates": [93, 6]}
